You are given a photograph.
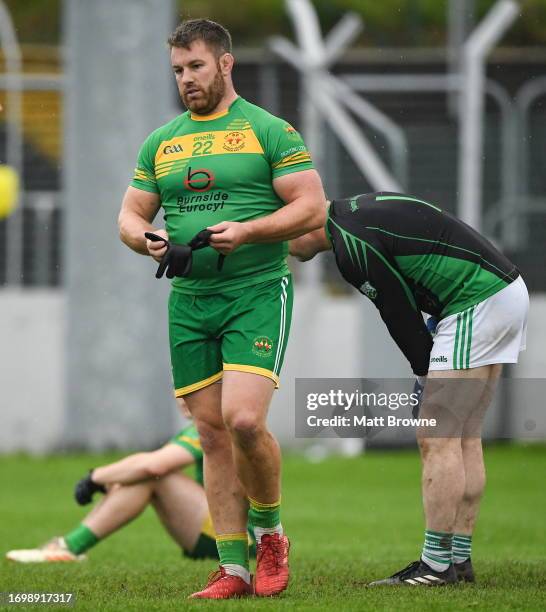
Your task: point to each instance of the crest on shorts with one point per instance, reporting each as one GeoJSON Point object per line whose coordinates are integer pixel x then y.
{"type": "Point", "coordinates": [262, 346]}
{"type": "Point", "coordinates": [234, 141]}
{"type": "Point", "coordinates": [369, 290]}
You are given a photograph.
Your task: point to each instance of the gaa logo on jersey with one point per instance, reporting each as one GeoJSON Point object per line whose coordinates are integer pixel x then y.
{"type": "Point", "coordinates": [234, 141]}
{"type": "Point", "coordinates": [369, 290]}
{"type": "Point", "coordinates": [262, 346]}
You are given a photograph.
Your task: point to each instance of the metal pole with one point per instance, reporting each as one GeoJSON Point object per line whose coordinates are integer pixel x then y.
{"type": "Point", "coordinates": [396, 138]}
{"type": "Point", "coordinates": [524, 99]}
{"type": "Point", "coordinates": [460, 19]}
{"type": "Point", "coordinates": [349, 133]}
{"type": "Point", "coordinates": [475, 50]}
{"type": "Point", "coordinates": [14, 140]}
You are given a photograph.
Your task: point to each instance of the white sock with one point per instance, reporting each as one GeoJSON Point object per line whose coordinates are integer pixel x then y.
{"type": "Point", "coordinates": [260, 531]}
{"type": "Point", "coordinates": [237, 570]}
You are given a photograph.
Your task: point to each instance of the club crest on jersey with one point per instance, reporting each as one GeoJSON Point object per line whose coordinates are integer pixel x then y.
{"type": "Point", "coordinates": [369, 290]}
{"type": "Point", "coordinates": [291, 132]}
{"type": "Point", "coordinates": [234, 141]}
{"type": "Point", "coordinates": [262, 346]}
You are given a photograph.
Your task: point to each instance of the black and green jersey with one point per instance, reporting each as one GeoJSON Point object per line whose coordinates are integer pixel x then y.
{"type": "Point", "coordinates": [208, 169]}
{"type": "Point", "coordinates": [188, 438]}
{"type": "Point", "coordinates": [408, 256]}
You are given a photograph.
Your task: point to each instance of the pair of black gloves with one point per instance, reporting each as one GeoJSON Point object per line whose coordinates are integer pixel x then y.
{"type": "Point", "coordinates": [178, 258]}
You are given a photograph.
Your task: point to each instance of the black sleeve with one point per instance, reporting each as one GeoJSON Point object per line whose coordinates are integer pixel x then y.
{"type": "Point", "coordinates": [394, 300]}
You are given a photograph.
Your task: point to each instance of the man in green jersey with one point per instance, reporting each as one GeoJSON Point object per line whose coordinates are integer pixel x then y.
{"type": "Point", "coordinates": [408, 256]}
{"type": "Point", "coordinates": [131, 485]}
{"type": "Point", "coordinates": [229, 166]}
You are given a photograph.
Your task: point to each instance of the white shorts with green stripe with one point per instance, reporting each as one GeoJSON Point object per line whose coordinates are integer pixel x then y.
{"type": "Point", "coordinates": [493, 331]}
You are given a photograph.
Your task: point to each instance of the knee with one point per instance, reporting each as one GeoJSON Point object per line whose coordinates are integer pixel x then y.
{"type": "Point", "coordinates": [213, 437]}
{"type": "Point", "coordinates": [245, 428]}
{"type": "Point", "coordinates": [433, 447]}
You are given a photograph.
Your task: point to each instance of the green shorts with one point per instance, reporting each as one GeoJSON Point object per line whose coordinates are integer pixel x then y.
{"type": "Point", "coordinates": [245, 330]}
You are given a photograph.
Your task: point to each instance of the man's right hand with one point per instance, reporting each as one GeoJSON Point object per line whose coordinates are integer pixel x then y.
{"type": "Point", "coordinates": [86, 488]}
{"type": "Point", "coordinates": [157, 249]}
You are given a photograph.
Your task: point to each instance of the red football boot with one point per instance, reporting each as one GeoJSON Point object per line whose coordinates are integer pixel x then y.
{"type": "Point", "coordinates": [223, 586]}
{"type": "Point", "coordinates": [272, 571]}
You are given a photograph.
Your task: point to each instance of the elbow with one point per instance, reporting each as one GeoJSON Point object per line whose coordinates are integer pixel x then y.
{"type": "Point", "coordinates": [317, 218]}
{"type": "Point", "coordinates": [122, 232]}
{"type": "Point", "coordinates": [155, 470]}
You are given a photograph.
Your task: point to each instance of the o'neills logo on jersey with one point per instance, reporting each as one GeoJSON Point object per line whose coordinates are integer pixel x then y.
{"type": "Point", "coordinates": [234, 141]}
{"type": "Point", "coordinates": [441, 359]}
{"type": "Point", "coordinates": [201, 179]}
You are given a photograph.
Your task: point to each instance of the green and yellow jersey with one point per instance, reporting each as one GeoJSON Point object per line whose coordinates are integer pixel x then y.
{"type": "Point", "coordinates": [188, 438]}
{"type": "Point", "coordinates": [209, 169]}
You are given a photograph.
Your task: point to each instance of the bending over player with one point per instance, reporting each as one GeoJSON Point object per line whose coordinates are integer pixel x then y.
{"type": "Point", "coordinates": [408, 257]}
{"type": "Point", "coordinates": [130, 485]}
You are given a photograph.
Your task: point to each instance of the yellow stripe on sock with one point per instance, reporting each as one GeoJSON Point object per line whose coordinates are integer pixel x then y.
{"type": "Point", "coordinates": [227, 537]}
{"type": "Point", "coordinates": [260, 507]}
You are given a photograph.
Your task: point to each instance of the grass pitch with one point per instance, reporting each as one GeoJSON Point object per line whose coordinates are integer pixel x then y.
{"type": "Point", "coordinates": [350, 521]}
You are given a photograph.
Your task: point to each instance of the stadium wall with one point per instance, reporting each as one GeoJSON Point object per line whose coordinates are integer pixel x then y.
{"type": "Point", "coordinates": [34, 362]}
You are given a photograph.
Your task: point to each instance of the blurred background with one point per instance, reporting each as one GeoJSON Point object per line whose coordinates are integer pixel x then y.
{"type": "Point", "coordinates": [440, 98]}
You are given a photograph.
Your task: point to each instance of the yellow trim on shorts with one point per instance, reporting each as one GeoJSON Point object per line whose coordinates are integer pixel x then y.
{"type": "Point", "coordinates": [236, 367]}
{"type": "Point", "coordinates": [229, 537]}
{"type": "Point", "coordinates": [198, 385]}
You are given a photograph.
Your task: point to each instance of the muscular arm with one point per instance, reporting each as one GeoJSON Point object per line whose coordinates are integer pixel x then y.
{"type": "Point", "coordinates": [138, 210]}
{"type": "Point", "coordinates": [307, 246]}
{"type": "Point", "coordinates": [304, 211]}
{"type": "Point", "coordinates": [143, 466]}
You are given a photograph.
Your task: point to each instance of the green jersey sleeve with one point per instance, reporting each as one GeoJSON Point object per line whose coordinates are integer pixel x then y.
{"type": "Point", "coordinates": [285, 149]}
{"type": "Point", "coordinates": [144, 177]}
{"type": "Point", "coordinates": [188, 438]}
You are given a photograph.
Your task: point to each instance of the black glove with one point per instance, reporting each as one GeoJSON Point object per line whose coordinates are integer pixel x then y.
{"type": "Point", "coordinates": [86, 488]}
{"type": "Point", "coordinates": [178, 258]}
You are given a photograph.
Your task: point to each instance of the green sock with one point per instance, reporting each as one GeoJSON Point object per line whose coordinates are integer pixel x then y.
{"type": "Point", "coordinates": [462, 547]}
{"type": "Point", "coordinates": [437, 550]}
{"type": "Point", "coordinates": [233, 549]}
{"type": "Point", "coordinates": [266, 516]}
{"type": "Point", "coordinates": [80, 539]}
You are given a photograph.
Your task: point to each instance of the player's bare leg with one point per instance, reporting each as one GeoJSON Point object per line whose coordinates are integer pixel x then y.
{"type": "Point", "coordinates": [467, 511]}
{"type": "Point", "coordinates": [257, 456]}
{"type": "Point", "coordinates": [460, 408]}
{"type": "Point", "coordinates": [181, 505]}
{"type": "Point", "coordinates": [119, 506]}
{"type": "Point", "coordinates": [245, 403]}
{"type": "Point", "coordinates": [226, 498]}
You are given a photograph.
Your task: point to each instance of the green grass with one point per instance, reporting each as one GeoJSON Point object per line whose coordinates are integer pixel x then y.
{"type": "Point", "coordinates": [350, 521]}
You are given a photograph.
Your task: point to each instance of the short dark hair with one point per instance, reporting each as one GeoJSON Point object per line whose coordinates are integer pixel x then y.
{"type": "Point", "coordinates": [214, 35]}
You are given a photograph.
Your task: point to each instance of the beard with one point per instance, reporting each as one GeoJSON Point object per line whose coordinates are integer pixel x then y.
{"type": "Point", "coordinates": [209, 98]}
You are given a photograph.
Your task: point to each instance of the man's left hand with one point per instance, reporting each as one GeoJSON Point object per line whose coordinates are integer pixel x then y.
{"type": "Point", "coordinates": [227, 236]}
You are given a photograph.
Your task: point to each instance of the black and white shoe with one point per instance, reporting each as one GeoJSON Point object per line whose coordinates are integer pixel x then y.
{"type": "Point", "coordinates": [465, 571]}
{"type": "Point", "coordinates": [419, 573]}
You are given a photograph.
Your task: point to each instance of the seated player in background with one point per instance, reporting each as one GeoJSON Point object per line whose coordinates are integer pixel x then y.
{"type": "Point", "coordinates": [408, 256]}
{"type": "Point", "coordinates": [130, 485]}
